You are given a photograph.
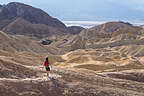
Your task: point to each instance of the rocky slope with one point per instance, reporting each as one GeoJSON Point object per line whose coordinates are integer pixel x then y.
{"type": "Point", "coordinates": [23, 27]}
{"type": "Point", "coordinates": [9, 69]}
{"type": "Point", "coordinates": [19, 78]}
{"type": "Point", "coordinates": [70, 82]}
{"type": "Point", "coordinates": [20, 43]}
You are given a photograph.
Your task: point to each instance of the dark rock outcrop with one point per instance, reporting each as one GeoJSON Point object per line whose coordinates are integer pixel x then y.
{"type": "Point", "coordinates": [46, 42]}
{"type": "Point", "coordinates": [1, 6]}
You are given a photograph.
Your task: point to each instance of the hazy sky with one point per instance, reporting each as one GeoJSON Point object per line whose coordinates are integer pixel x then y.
{"type": "Point", "coordinates": [89, 9]}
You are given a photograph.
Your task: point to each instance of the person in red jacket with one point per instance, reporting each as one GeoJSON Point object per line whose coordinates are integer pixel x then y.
{"type": "Point", "coordinates": [47, 66]}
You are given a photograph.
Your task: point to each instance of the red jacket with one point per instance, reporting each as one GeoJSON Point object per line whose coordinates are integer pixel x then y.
{"type": "Point", "coordinates": [46, 63]}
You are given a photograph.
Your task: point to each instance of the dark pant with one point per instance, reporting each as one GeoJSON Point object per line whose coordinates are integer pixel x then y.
{"type": "Point", "coordinates": [47, 68]}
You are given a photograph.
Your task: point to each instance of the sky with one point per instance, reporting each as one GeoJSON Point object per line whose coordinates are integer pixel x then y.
{"type": "Point", "coordinates": [89, 10]}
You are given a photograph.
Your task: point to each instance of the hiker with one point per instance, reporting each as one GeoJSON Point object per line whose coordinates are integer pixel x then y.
{"type": "Point", "coordinates": [46, 64]}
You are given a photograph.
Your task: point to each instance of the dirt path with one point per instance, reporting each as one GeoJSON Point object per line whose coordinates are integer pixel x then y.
{"type": "Point", "coordinates": [39, 79]}
{"type": "Point", "coordinates": [41, 76]}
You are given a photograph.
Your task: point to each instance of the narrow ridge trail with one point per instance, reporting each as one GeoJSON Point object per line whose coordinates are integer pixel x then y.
{"type": "Point", "coordinates": [41, 76]}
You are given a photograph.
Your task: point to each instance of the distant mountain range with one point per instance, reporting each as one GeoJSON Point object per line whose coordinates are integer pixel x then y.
{"type": "Point", "coordinates": [89, 24]}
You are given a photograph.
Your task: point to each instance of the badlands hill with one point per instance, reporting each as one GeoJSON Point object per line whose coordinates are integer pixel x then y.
{"type": "Point", "coordinates": [121, 36]}
{"type": "Point", "coordinates": [111, 31]}
{"type": "Point", "coordinates": [22, 19]}
{"type": "Point", "coordinates": [29, 13]}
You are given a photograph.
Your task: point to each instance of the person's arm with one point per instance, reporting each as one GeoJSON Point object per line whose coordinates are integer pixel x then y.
{"type": "Point", "coordinates": [42, 65]}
